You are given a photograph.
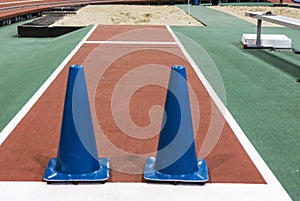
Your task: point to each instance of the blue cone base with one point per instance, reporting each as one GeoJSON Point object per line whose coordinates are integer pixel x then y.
{"type": "Point", "coordinates": [51, 174]}
{"type": "Point", "coordinates": [200, 176]}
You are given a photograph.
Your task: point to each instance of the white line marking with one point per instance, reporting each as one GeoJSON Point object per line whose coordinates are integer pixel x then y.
{"type": "Point", "coordinates": [131, 42]}
{"type": "Point", "coordinates": [36, 191]}
{"type": "Point", "coordinates": [249, 148]}
{"type": "Point", "coordinates": [14, 2]}
{"type": "Point", "coordinates": [25, 109]}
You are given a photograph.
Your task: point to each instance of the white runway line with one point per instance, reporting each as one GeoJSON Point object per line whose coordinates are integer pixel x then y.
{"type": "Point", "coordinates": [37, 191]}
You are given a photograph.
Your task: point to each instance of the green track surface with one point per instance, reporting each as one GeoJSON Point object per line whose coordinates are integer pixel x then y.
{"type": "Point", "coordinates": [26, 63]}
{"type": "Point", "coordinates": [260, 87]}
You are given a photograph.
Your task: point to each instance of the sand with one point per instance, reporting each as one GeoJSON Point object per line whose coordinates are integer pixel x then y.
{"type": "Point", "coordinates": [129, 14]}
{"type": "Point", "coordinates": [160, 15]}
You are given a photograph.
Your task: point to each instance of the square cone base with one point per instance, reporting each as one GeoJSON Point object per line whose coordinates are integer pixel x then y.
{"type": "Point", "coordinates": [200, 176]}
{"type": "Point", "coordinates": [100, 175]}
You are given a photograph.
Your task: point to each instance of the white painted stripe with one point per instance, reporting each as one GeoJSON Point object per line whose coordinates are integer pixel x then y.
{"type": "Point", "coordinates": [131, 42]}
{"type": "Point", "coordinates": [14, 2]}
{"type": "Point", "coordinates": [36, 191]}
{"type": "Point", "coordinates": [249, 148]}
{"type": "Point", "coordinates": [20, 115]}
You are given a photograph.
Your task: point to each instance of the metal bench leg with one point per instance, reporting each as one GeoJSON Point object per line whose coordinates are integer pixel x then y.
{"type": "Point", "coordinates": [258, 33]}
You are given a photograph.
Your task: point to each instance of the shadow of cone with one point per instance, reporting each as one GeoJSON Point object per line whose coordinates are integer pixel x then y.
{"type": "Point", "coordinates": [176, 159]}
{"type": "Point", "coordinates": [77, 157]}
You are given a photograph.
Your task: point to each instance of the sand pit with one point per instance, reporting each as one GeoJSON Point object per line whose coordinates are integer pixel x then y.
{"type": "Point", "coordinates": [239, 11]}
{"type": "Point", "coordinates": [160, 15]}
{"type": "Point", "coordinates": [128, 14]}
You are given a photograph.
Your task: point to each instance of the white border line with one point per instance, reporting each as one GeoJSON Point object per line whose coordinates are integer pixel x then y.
{"type": "Point", "coordinates": [249, 148]}
{"type": "Point", "coordinates": [36, 191]}
{"type": "Point", "coordinates": [25, 109]}
{"type": "Point", "coordinates": [132, 42]}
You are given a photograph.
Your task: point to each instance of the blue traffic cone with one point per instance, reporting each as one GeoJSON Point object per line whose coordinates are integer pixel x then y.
{"type": "Point", "coordinates": [176, 159]}
{"type": "Point", "coordinates": [77, 157]}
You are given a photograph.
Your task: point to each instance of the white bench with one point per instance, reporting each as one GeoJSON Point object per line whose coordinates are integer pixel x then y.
{"type": "Point", "coordinates": [269, 40]}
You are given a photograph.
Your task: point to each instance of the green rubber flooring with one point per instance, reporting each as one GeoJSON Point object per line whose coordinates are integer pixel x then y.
{"type": "Point", "coordinates": [26, 63]}
{"type": "Point", "coordinates": [258, 86]}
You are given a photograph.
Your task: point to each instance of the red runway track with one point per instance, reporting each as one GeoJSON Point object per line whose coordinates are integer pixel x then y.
{"type": "Point", "coordinates": [10, 9]}
{"type": "Point", "coordinates": [26, 152]}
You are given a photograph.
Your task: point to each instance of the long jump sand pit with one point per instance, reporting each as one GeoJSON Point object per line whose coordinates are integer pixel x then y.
{"type": "Point", "coordinates": [160, 15]}
{"type": "Point", "coordinates": [129, 15]}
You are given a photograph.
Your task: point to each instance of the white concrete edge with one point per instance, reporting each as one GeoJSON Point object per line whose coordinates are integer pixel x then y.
{"type": "Point", "coordinates": [25, 109]}
{"type": "Point", "coordinates": [249, 148]}
{"type": "Point", "coordinates": [36, 191]}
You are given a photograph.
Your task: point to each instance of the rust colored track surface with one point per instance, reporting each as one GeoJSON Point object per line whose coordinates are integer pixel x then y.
{"type": "Point", "coordinates": [10, 9]}
{"type": "Point", "coordinates": [131, 33]}
{"type": "Point", "coordinates": [124, 79]}
{"type": "Point", "coordinates": [284, 2]}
